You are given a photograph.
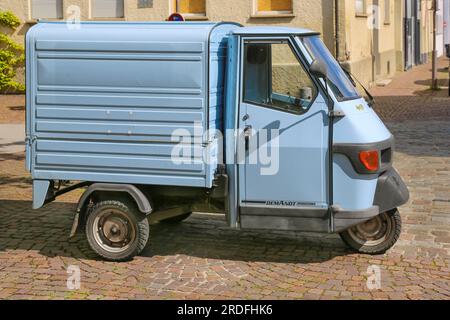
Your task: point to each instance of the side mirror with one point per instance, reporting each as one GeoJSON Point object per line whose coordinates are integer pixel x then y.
{"type": "Point", "coordinates": [319, 69]}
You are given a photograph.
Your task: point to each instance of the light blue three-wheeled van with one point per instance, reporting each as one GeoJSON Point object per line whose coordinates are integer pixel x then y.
{"type": "Point", "coordinates": [157, 120]}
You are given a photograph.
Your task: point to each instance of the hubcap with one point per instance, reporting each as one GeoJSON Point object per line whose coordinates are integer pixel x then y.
{"type": "Point", "coordinates": [372, 232]}
{"type": "Point", "coordinates": [113, 230]}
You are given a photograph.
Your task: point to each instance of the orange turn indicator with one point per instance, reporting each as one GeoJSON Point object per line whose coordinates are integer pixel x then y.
{"type": "Point", "coordinates": [370, 160]}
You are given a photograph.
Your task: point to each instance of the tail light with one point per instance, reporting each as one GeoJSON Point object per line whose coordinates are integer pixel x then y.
{"type": "Point", "coordinates": [370, 160]}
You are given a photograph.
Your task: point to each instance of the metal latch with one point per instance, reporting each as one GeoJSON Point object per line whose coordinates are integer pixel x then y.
{"type": "Point", "coordinates": [336, 114]}
{"type": "Point", "coordinates": [248, 131]}
{"type": "Point", "coordinates": [30, 140]}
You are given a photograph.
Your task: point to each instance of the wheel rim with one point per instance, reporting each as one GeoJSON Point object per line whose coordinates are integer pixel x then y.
{"type": "Point", "coordinates": [113, 230]}
{"type": "Point", "coordinates": [372, 232]}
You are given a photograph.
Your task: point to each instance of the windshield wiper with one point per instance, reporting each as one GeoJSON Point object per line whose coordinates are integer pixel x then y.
{"type": "Point", "coordinates": [352, 79]}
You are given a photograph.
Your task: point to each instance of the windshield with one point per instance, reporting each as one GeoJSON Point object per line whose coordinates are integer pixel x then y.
{"type": "Point", "coordinates": [338, 81]}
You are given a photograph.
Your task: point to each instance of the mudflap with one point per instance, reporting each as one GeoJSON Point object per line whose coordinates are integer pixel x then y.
{"type": "Point", "coordinates": [41, 193]}
{"type": "Point", "coordinates": [75, 224]}
{"type": "Point", "coordinates": [391, 191]}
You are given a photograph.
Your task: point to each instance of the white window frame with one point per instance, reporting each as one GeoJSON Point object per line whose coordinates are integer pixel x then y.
{"type": "Point", "coordinates": [362, 13]}
{"type": "Point", "coordinates": [59, 17]}
{"type": "Point", "coordinates": [387, 12]}
{"type": "Point", "coordinates": [91, 11]}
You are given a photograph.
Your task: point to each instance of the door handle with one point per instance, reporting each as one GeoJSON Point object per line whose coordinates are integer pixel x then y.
{"type": "Point", "coordinates": [247, 134]}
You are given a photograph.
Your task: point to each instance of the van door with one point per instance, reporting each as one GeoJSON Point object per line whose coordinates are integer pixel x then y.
{"type": "Point", "coordinates": [283, 114]}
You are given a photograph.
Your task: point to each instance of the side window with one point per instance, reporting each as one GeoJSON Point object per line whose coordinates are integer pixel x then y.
{"type": "Point", "coordinates": [275, 78]}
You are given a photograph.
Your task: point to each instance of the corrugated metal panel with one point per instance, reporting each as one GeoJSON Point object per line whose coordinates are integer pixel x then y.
{"type": "Point", "coordinates": [106, 99]}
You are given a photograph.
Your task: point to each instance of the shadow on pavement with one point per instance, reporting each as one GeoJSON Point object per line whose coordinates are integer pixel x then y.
{"type": "Point", "coordinates": [17, 108]}
{"type": "Point", "coordinates": [47, 231]}
{"type": "Point", "coordinates": [421, 125]}
{"type": "Point", "coordinates": [12, 156]}
{"type": "Point", "coordinates": [18, 182]}
{"type": "Point", "coordinates": [441, 82]}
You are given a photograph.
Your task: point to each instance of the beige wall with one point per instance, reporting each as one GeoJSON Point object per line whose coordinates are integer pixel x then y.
{"type": "Point", "coordinates": [372, 54]}
{"type": "Point", "coordinates": [311, 14]}
{"type": "Point", "coordinates": [373, 50]}
{"type": "Point", "coordinates": [375, 54]}
{"type": "Point", "coordinates": [426, 33]}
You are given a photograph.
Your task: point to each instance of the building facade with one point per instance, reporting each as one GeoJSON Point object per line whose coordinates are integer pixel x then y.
{"type": "Point", "coordinates": [376, 38]}
{"type": "Point", "coordinates": [371, 38]}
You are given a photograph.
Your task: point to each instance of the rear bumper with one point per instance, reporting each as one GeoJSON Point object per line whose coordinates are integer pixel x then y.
{"type": "Point", "coordinates": [391, 193]}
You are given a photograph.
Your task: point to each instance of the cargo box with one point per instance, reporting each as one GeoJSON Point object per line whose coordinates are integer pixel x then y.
{"type": "Point", "coordinates": [105, 98]}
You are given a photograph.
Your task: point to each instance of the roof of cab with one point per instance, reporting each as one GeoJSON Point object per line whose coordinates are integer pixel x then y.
{"type": "Point", "coordinates": [273, 31]}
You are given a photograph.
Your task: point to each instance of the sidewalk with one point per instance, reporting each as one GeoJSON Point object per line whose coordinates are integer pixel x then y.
{"type": "Point", "coordinates": [12, 109]}
{"type": "Point", "coordinates": [409, 97]}
{"type": "Point", "coordinates": [12, 138]}
{"type": "Point", "coordinates": [12, 124]}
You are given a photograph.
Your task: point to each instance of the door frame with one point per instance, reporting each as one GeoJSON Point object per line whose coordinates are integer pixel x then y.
{"type": "Point", "coordinates": [270, 215]}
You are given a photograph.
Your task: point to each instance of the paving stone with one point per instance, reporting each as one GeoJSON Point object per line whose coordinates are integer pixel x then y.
{"type": "Point", "coordinates": [202, 259]}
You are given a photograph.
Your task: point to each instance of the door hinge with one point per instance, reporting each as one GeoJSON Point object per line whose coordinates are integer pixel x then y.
{"type": "Point", "coordinates": [30, 140]}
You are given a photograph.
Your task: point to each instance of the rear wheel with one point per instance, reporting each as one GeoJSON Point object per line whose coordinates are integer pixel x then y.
{"type": "Point", "coordinates": [177, 219]}
{"type": "Point", "coordinates": [375, 236]}
{"type": "Point", "coordinates": [116, 231]}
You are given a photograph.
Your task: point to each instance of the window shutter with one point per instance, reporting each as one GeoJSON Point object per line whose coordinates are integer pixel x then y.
{"type": "Point", "coordinates": [107, 9]}
{"type": "Point", "coordinates": [51, 9]}
{"type": "Point", "coordinates": [191, 6]}
{"type": "Point", "coordinates": [274, 5]}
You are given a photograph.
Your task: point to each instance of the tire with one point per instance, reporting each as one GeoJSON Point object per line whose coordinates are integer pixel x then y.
{"type": "Point", "coordinates": [177, 219]}
{"type": "Point", "coordinates": [116, 231]}
{"type": "Point", "coordinates": [382, 237]}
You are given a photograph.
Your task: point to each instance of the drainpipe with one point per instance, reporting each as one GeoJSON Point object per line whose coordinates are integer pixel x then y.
{"type": "Point", "coordinates": [434, 83]}
{"type": "Point", "coordinates": [336, 29]}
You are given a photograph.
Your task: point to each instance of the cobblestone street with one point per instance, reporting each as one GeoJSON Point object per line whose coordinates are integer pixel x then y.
{"type": "Point", "coordinates": [202, 258]}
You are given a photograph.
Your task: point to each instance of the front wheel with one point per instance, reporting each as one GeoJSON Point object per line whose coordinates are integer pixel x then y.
{"type": "Point", "coordinates": [375, 236]}
{"type": "Point", "coordinates": [116, 231]}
